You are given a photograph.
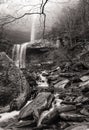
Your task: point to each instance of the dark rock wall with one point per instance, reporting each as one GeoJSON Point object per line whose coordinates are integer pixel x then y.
{"type": "Point", "coordinates": [38, 56]}
{"type": "Point", "coordinates": [14, 88]}
{"type": "Point", "coordinates": [6, 46]}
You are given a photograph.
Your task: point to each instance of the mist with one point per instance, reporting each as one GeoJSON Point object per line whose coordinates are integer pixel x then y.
{"type": "Point", "coordinates": [53, 11]}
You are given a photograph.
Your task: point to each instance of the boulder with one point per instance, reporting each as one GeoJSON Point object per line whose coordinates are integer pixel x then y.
{"type": "Point", "coordinates": [61, 84]}
{"type": "Point", "coordinates": [33, 110]}
{"type": "Point", "coordinates": [14, 89]}
{"type": "Point", "coordinates": [85, 78]}
{"type": "Point", "coordinates": [48, 117]}
{"type": "Point", "coordinates": [52, 115]}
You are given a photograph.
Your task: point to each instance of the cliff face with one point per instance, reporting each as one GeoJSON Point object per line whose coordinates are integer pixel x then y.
{"type": "Point", "coordinates": [46, 53]}
{"type": "Point", "coordinates": [14, 88]}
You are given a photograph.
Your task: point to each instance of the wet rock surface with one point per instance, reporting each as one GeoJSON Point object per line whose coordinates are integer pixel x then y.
{"type": "Point", "coordinates": [14, 88]}
{"type": "Point", "coordinates": [62, 105]}
{"type": "Point", "coordinates": [40, 103]}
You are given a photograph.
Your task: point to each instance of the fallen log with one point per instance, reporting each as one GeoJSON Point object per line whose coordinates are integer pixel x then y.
{"type": "Point", "coordinates": [79, 126]}
{"type": "Point", "coordinates": [72, 117]}
{"type": "Point", "coordinates": [66, 108]}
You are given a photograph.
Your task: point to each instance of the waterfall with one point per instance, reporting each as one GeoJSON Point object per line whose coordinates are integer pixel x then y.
{"type": "Point", "coordinates": [19, 54]}
{"type": "Point", "coordinates": [23, 55]}
{"type": "Point", "coordinates": [16, 54]}
{"type": "Point", "coordinates": [19, 50]}
{"type": "Point", "coordinates": [33, 28]}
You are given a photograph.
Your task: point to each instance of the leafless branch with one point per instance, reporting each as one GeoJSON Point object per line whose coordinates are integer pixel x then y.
{"type": "Point", "coordinates": [10, 19]}
{"type": "Point", "coordinates": [17, 18]}
{"type": "Point", "coordinates": [59, 2]}
{"type": "Point", "coordinates": [42, 10]}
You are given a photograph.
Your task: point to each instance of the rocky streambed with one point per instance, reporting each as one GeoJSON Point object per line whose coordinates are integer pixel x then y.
{"type": "Point", "coordinates": [56, 99]}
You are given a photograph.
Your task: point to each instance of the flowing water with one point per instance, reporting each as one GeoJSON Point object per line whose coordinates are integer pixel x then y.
{"type": "Point", "coordinates": [16, 54]}
{"type": "Point", "coordinates": [19, 54]}
{"type": "Point", "coordinates": [8, 115]}
{"type": "Point", "coordinates": [33, 31]}
{"type": "Point", "coordinates": [19, 50]}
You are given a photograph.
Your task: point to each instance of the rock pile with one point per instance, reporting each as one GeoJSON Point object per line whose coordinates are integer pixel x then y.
{"type": "Point", "coordinates": [62, 105]}
{"type": "Point", "coordinates": [65, 108]}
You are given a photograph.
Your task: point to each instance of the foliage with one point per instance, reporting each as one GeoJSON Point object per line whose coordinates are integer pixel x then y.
{"type": "Point", "coordinates": [74, 23]}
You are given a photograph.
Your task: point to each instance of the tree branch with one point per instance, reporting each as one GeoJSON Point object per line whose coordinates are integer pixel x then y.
{"type": "Point", "coordinates": [17, 18]}
{"type": "Point", "coordinates": [42, 12]}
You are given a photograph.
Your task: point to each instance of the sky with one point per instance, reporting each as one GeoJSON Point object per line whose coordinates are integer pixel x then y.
{"type": "Point", "coordinates": [16, 8]}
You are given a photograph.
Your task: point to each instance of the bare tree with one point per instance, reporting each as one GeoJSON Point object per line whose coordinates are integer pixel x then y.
{"type": "Point", "coordinates": [42, 12]}
{"type": "Point", "coordinates": [10, 19]}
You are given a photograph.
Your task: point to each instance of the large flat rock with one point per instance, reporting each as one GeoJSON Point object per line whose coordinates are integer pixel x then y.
{"type": "Point", "coordinates": [40, 103]}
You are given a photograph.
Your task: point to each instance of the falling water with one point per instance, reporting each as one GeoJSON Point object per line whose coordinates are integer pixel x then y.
{"type": "Point", "coordinates": [19, 51]}
{"type": "Point", "coordinates": [16, 54]}
{"type": "Point", "coordinates": [33, 28]}
{"type": "Point", "coordinates": [19, 54]}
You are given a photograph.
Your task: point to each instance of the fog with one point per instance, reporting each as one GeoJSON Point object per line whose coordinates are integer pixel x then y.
{"type": "Point", "coordinates": [16, 8]}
